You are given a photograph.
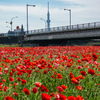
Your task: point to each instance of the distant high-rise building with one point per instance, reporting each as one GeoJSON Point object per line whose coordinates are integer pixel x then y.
{"type": "Point", "coordinates": [48, 18]}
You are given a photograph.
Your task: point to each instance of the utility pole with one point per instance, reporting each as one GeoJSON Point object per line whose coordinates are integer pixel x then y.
{"type": "Point", "coordinates": [12, 22]}
{"type": "Point", "coordinates": [44, 21]}
{"type": "Point", "coordinates": [27, 14]}
{"type": "Point", "coordinates": [69, 16]}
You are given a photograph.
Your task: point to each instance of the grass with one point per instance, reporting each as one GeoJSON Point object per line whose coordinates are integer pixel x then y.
{"type": "Point", "coordinates": [8, 45]}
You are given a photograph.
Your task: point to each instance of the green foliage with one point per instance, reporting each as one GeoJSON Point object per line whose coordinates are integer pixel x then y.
{"type": "Point", "coordinates": [12, 45]}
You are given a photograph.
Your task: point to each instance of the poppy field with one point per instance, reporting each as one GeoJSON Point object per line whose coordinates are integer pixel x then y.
{"type": "Point", "coordinates": [50, 73]}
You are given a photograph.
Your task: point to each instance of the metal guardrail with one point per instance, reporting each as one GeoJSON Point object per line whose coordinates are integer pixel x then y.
{"type": "Point", "coordinates": [61, 28]}
{"type": "Point", "coordinates": [66, 28]}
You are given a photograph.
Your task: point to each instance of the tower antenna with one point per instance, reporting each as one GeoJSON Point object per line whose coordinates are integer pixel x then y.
{"type": "Point", "coordinates": [48, 18]}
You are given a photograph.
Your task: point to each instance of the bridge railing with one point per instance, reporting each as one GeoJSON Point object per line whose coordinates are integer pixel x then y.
{"type": "Point", "coordinates": [66, 28]}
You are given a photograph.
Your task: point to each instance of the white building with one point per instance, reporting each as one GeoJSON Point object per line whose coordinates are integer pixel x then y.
{"type": "Point", "coordinates": [17, 30]}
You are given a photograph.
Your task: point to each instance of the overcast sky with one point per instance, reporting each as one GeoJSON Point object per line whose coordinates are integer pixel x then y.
{"type": "Point", "coordinates": [82, 11]}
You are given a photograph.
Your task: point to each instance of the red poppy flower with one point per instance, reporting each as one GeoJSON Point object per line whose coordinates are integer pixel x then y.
{"type": "Point", "coordinates": [15, 94]}
{"type": "Point", "coordinates": [95, 56]}
{"type": "Point", "coordinates": [52, 94]}
{"type": "Point", "coordinates": [53, 76]}
{"type": "Point", "coordinates": [79, 67]}
{"type": "Point", "coordinates": [29, 71]}
{"type": "Point", "coordinates": [77, 78]}
{"type": "Point", "coordinates": [79, 97]}
{"type": "Point", "coordinates": [55, 73]}
{"type": "Point", "coordinates": [6, 71]}
{"type": "Point", "coordinates": [43, 88]}
{"type": "Point", "coordinates": [91, 71]}
{"type": "Point", "coordinates": [0, 88]}
{"type": "Point", "coordinates": [8, 98]}
{"type": "Point", "coordinates": [64, 87]}
{"type": "Point", "coordinates": [60, 97]}
{"type": "Point", "coordinates": [1, 69]}
{"type": "Point", "coordinates": [71, 75]}
{"type": "Point", "coordinates": [79, 87]}
{"type": "Point", "coordinates": [74, 80]}
{"type": "Point", "coordinates": [71, 98]}
{"type": "Point", "coordinates": [60, 89]}
{"type": "Point", "coordinates": [24, 81]}
{"type": "Point", "coordinates": [1, 84]}
{"type": "Point", "coordinates": [3, 80]}
{"type": "Point", "coordinates": [80, 76]}
{"type": "Point", "coordinates": [45, 96]}
{"type": "Point", "coordinates": [65, 58]}
{"type": "Point", "coordinates": [5, 88]}
{"type": "Point", "coordinates": [11, 79]}
{"type": "Point", "coordinates": [34, 90]}
{"type": "Point", "coordinates": [19, 73]}
{"type": "Point", "coordinates": [13, 70]}
{"type": "Point", "coordinates": [11, 74]}
{"type": "Point", "coordinates": [79, 61]}
{"type": "Point", "coordinates": [38, 84]}
{"type": "Point", "coordinates": [83, 73]}
{"type": "Point", "coordinates": [18, 78]}
{"type": "Point", "coordinates": [26, 91]}
{"type": "Point", "coordinates": [59, 76]}
{"type": "Point", "coordinates": [16, 84]}
{"type": "Point", "coordinates": [49, 66]}
{"type": "Point", "coordinates": [45, 71]}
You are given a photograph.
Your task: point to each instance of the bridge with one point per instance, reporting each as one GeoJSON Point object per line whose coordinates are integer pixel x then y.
{"type": "Point", "coordinates": [63, 33]}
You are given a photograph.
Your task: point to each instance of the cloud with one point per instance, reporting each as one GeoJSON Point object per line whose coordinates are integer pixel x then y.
{"type": "Point", "coordinates": [9, 11]}
{"type": "Point", "coordinates": [34, 15]}
{"type": "Point", "coordinates": [84, 5]}
{"type": "Point", "coordinates": [82, 2]}
{"type": "Point", "coordinates": [82, 11]}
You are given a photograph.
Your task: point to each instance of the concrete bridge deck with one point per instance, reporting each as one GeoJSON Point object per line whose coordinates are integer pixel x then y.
{"type": "Point", "coordinates": [87, 30]}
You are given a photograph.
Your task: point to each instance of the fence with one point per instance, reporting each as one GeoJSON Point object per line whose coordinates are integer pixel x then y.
{"type": "Point", "coordinates": [66, 28]}
{"type": "Point", "coordinates": [61, 28]}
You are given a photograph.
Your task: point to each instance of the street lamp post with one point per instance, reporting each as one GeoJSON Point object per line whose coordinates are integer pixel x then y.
{"type": "Point", "coordinates": [69, 16]}
{"type": "Point", "coordinates": [12, 22]}
{"type": "Point", "coordinates": [44, 21]}
{"type": "Point", "coordinates": [27, 14]}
